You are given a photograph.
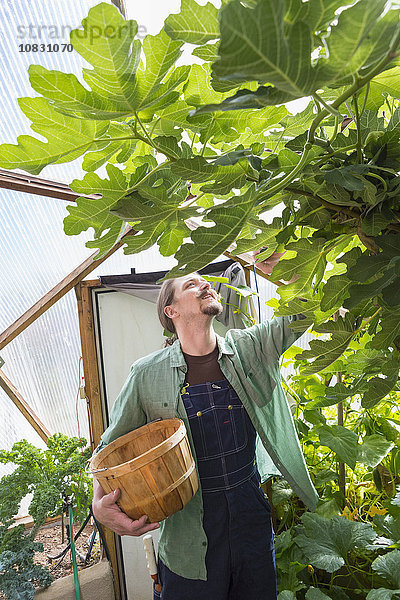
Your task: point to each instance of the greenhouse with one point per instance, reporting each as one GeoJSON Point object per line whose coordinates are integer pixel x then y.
{"type": "Point", "coordinates": [200, 311]}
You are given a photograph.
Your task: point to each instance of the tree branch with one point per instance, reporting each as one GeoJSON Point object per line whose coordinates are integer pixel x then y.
{"type": "Point", "coordinates": [334, 207]}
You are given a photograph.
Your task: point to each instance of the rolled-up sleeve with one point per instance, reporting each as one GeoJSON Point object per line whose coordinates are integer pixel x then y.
{"type": "Point", "coordinates": [282, 335]}
{"type": "Point", "coordinates": [127, 412]}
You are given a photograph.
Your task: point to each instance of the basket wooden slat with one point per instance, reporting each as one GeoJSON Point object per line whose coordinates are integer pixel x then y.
{"type": "Point", "coordinates": [153, 467]}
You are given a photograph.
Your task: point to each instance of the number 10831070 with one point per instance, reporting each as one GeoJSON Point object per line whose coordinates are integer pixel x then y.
{"type": "Point", "coordinates": [45, 47]}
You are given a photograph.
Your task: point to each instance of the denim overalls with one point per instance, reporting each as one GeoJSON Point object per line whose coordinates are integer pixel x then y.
{"type": "Point", "coordinates": [237, 519]}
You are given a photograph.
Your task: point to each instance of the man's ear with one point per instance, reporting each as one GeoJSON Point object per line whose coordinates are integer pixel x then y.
{"type": "Point", "coordinates": [169, 311]}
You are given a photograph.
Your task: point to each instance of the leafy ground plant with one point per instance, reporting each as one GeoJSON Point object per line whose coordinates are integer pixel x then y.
{"type": "Point", "coordinates": [47, 474]}
{"type": "Point", "coordinates": [340, 550]}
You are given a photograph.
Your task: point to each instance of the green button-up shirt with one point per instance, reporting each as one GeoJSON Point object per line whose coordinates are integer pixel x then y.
{"type": "Point", "coordinates": [249, 359]}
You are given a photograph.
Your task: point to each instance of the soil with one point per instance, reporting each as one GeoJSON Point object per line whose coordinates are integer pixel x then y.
{"type": "Point", "coordinates": [51, 538]}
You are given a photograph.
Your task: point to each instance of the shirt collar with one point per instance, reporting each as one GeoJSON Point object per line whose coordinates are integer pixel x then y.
{"type": "Point", "coordinates": [178, 360]}
{"type": "Point", "coordinates": [224, 348]}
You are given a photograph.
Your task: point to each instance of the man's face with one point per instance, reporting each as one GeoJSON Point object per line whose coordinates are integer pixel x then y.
{"type": "Point", "coordinates": [193, 296]}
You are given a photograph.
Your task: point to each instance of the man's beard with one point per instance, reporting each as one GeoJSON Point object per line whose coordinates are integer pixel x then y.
{"type": "Point", "coordinates": [213, 310]}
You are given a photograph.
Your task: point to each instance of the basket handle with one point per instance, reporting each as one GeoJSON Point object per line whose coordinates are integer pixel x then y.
{"type": "Point", "coordinates": [89, 470]}
{"type": "Point", "coordinates": [98, 470]}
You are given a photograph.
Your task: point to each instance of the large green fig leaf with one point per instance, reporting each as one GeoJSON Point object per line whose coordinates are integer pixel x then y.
{"type": "Point", "coordinates": [120, 85]}
{"type": "Point", "coordinates": [263, 43]}
{"type": "Point", "coordinates": [254, 47]}
{"type": "Point", "coordinates": [226, 126]}
{"type": "Point", "coordinates": [387, 82]}
{"type": "Point", "coordinates": [68, 138]}
{"type": "Point", "coordinates": [120, 147]}
{"type": "Point", "coordinates": [382, 268]}
{"type": "Point", "coordinates": [392, 131]}
{"type": "Point", "coordinates": [95, 212]}
{"type": "Point", "coordinates": [346, 50]}
{"type": "Point", "coordinates": [266, 238]}
{"type": "Point", "coordinates": [325, 352]}
{"type": "Point", "coordinates": [265, 95]}
{"type": "Point", "coordinates": [389, 330]}
{"type": "Point", "coordinates": [222, 178]}
{"type": "Point", "coordinates": [309, 264]}
{"type": "Point", "coordinates": [378, 387]}
{"type": "Point", "coordinates": [315, 13]}
{"type": "Point", "coordinates": [162, 220]}
{"type": "Point", "coordinates": [336, 288]}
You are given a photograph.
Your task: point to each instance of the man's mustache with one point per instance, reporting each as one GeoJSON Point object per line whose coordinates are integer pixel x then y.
{"type": "Point", "coordinates": [206, 293]}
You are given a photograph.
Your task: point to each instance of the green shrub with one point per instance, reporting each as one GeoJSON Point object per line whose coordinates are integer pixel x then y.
{"type": "Point", "coordinates": [47, 474]}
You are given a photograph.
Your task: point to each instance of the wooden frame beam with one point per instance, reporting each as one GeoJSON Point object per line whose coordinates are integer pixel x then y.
{"type": "Point", "coordinates": [84, 298]}
{"type": "Point", "coordinates": [246, 261]}
{"type": "Point", "coordinates": [23, 407]}
{"type": "Point", "coordinates": [40, 187]}
{"type": "Point", "coordinates": [89, 357]}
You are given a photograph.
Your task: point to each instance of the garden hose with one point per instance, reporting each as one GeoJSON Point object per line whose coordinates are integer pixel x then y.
{"type": "Point", "coordinates": [68, 546]}
{"type": "Point", "coordinates": [74, 565]}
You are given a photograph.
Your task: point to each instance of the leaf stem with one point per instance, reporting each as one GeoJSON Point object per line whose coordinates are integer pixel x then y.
{"type": "Point", "coordinates": [331, 109]}
{"type": "Point", "coordinates": [365, 98]}
{"type": "Point", "coordinates": [193, 201]}
{"type": "Point", "coordinates": [334, 153]}
{"type": "Point", "coordinates": [149, 140]}
{"type": "Point", "coordinates": [154, 126]}
{"type": "Point", "coordinates": [335, 207]}
{"type": "Point", "coordinates": [380, 179]}
{"type": "Point", "coordinates": [359, 140]}
{"type": "Point", "coordinates": [335, 130]}
{"type": "Point", "coordinates": [290, 176]}
{"type": "Point", "coordinates": [206, 136]}
{"type": "Point", "coordinates": [351, 573]}
{"type": "Point", "coordinates": [311, 212]}
{"type": "Point", "coordinates": [366, 322]}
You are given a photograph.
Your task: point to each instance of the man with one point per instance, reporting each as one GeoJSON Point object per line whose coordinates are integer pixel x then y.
{"type": "Point", "coordinates": [226, 390]}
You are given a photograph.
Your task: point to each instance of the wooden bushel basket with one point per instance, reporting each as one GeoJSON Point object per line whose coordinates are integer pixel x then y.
{"type": "Point", "coordinates": [153, 467]}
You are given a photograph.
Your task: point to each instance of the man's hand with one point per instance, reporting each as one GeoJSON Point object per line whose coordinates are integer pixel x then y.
{"type": "Point", "coordinates": [267, 265]}
{"type": "Point", "coordinates": [109, 514]}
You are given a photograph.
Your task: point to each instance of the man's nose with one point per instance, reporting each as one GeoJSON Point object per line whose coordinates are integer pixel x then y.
{"type": "Point", "coordinates": [205, 285]}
